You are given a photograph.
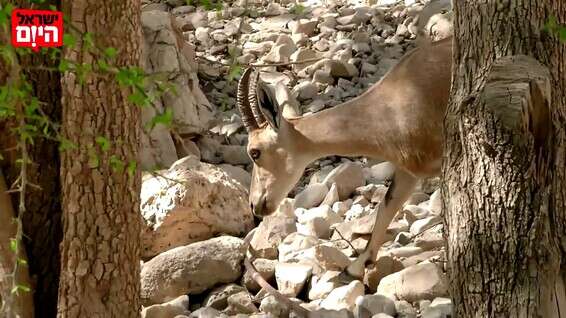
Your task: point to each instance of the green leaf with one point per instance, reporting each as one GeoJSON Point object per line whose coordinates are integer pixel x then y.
{"type": "Point", "coordinates": [297, 9]}
{"type": "Point", "coordinates": [110, 52]}
{"type": "Point", "coordinates": [88, 40]}
{"type": "Point", "coordinates": [32, 106]}
{"type": "Point", "coordinates": [22, 261]}
{"type": "Point", "coordinates": [13, 245]}
{"type": "Point", "coordinates": [562, 34]}
{"type": "Point", "coordinates": [206, 4]}
{"type": "Point", "coordinates": [64, 66]}
{"type": "Point", "coordinates": [165, 119]}
{"type": "Point", "coordinates": [551, 24]}
{"type": "Point", "coordinates": [132, 166]}
{"type": "Point", "coordinates": [69, 40]}
{"type": "Point", "coordinates": [24, 288]}
{"type": "Point", "coordinates": [103, 143]}
{"type": "Point", "coordinates": [8, 54]}
{"type": "Point", "coordinates": [103, 65]}
{"type": "Point", "coordinates": [139, 99]}
{"type": "Point", "coordinates": [235, 71]}
{"type": "Point", "coordinates": [21, 287]}
{"type": "Point", "coordinates": [116, 164]}
{"type": "Point", "coordinates": [65, 144]}
{"type": "Point", "coordinates": [7, 9]}
{"type": "Point", "coordinates": [133, 76]}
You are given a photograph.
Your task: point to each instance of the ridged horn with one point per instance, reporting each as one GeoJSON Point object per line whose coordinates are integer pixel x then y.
{"type": "Point", "coordinates": [243, 102]}
{"type": "Point", "coordinates": [253, 98]}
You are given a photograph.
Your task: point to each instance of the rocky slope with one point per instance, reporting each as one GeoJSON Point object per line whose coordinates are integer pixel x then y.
{"type": "Point", "coordinates": [195, 209]}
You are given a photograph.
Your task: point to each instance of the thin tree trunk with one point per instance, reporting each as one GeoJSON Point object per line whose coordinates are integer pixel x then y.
{"type": "Point", "coordinates": [20, 304]}
{"type": "Point", "coordinates": [504, 184]}
{"type": "Point", "coordinates": [101, 220]}
{"type": "Point", "coordinates": [42, 219]}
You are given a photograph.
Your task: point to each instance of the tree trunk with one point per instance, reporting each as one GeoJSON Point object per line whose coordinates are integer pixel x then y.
{"type": "Point", "coordinates": [504, 173]}
{"type": "Point", "coordinates": [101, 220]}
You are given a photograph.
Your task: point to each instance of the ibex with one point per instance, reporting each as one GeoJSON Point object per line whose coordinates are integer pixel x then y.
{"type": "Point", "coordinates": [399, 119]}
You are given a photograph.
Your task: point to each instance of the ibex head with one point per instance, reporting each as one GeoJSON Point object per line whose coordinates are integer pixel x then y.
{"type": "Point", "coordinates": [273, 145]}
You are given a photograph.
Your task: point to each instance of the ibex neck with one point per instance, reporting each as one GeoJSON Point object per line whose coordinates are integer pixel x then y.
{"type": "Point", "coordinates": [348, 129]}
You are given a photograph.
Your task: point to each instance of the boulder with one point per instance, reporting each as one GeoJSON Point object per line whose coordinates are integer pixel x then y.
{"type": "Point", "coordinates": [431, 238]}
{"type": "Point", "coordinates": [305, 90]}
{"type": "Point", "coordinates": [422, 281]}
{"type": "Point", "coordinates": [422, 225]}
{"type": "Point", "coordinates": [191, 269]}
{"type": "Point", "coordinates": [271, 305]}
{"type": "Point", "coordinates": [292, 277]}
{"type": "Point", "coordinates": [327, 313]}
{"type": "Point", "coordinates": [303, 54]}
{"type": "Point", "coordinates": [405, 310]}
{"type": "Point", "coordinates": [384, 265]}
{"type": "Point", "coordinates": [370, 305]}
{"type": "Point", "coordinates": [177, 306]}
{"type": "Point", "coordinates": [330, 258]}
{"type": "Point", "coordinates": [424, 256]}
{"type": "Point", "coordinates": [189, 202]}
{"type": "Point", "coordinates": [332, 196]}
{"type": "Point", "coordinates": [271, 231]}
{"type": "Point", "coordinates": [344, 297]}
{"type": "Point", "coordinates": [192, 112]}
{"type": "Point", "coordinates": [304, 26]}
{"type": "Point", "coordinates": [295, 243]}
{"type": "Point", "coordinates": [241, 303]}
{"type": "Point", "coordinates": [417, 212]}
{"type": "Point", "coordinates": [218, 297]}
{"type": "Point", "coordinates": [266, 268]}
{"type": "Point", "coordinates": [347, 177]}
{"type": "Point", "coordinates": [207, 312]}
{"type": "Point", "coordinates": [380, 173]}
{"type": "Point", "coordinates": [439, 308]}
{"type": "Point", "coordinates": [323, 211]}
{"type": "Point", "coordinates": [356, 18]}
{"type": "Point", "coordinates": [321, 286]}
{"type": "Point", "coordinates": [311, 196]}
{"type": "Point", "coordinates": [316, 226]}
{"type": "Point", "coordinates": [435, 203]}
{"type": "Point", "coordinates": [274, 9]}
{"type": "Point", "coordinates": [238, 174]}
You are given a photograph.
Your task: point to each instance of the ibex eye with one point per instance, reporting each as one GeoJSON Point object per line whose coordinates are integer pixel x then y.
{"type": "Point", "coordinates": [255, 154]}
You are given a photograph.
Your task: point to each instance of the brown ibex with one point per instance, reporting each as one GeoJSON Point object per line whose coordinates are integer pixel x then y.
{"type": "Point", "coordinates": [399, 119]}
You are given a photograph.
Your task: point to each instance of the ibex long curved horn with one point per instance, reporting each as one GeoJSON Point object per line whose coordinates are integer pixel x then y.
{"type": "Point", "coordinates": [253, 97]}
{"type": "Point", "coordinates": [244, 105]}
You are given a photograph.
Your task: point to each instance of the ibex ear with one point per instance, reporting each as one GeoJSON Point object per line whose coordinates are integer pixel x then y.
{"type": "Point", "coordinates": [268, 105]}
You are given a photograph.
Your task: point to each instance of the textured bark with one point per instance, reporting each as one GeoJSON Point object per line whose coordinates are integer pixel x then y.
{"type": "Point", "coordinates": [101, 219]}
{"type": "Point", "coordinates": [42, 219]}
{"type": "Point", "coordinates": [505, 168]}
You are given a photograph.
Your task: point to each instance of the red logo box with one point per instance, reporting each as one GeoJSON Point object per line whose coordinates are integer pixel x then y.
{"type": "Point", "coordinates": [37, 28]}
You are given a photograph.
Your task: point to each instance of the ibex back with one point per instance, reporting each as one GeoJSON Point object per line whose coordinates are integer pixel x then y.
{"type": "Point", "coordinates": [399, 119]}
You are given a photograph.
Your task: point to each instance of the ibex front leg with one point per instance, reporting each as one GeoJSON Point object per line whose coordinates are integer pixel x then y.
{"type": "Point", "coordinates": [399, 191]}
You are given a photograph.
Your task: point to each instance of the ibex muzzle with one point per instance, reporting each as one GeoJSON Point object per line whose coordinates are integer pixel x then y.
{"type": "Point", "coordinates": [272, 147]}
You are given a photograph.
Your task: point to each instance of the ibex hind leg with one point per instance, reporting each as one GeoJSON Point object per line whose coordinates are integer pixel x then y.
{"type": "Point", "coordinates": [399, 191]}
